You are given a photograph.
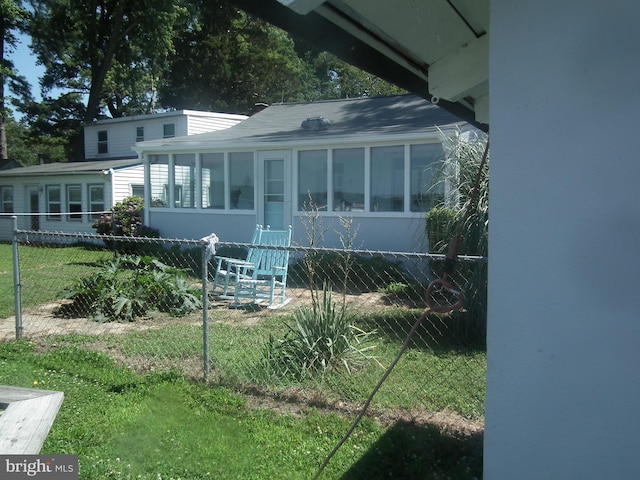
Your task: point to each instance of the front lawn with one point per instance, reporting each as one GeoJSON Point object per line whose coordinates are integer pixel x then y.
{"type": "Point", "coordinates": [158, 425]}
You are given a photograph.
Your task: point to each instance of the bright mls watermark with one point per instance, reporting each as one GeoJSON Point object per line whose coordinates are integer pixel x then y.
{"type": "Point", "coordinates": [49, 467]}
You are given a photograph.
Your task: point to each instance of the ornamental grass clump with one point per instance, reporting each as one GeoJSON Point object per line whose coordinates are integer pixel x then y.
{"type": "Point", "coordinates": [319, 338]}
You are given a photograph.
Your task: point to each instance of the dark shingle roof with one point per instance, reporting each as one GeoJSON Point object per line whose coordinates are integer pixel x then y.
{"type": "Point", "coordinates": [64, 168]}
{"type": "Point", "coordinates": [281, 123]}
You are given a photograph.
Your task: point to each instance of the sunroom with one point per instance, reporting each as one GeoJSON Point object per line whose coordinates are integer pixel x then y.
{"type": "Point", "coordinates": [370, 160]}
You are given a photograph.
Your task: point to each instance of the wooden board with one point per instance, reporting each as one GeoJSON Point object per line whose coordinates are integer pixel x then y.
{"type": "Point", "coordinates": [27, 416]}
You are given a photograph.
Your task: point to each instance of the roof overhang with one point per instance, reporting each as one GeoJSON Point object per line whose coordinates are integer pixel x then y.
{"type": "Point", "coordinates": [438, 49]}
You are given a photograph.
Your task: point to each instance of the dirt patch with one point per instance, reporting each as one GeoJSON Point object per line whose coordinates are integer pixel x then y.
{"type": "Point", "coordinates": [298, 403]}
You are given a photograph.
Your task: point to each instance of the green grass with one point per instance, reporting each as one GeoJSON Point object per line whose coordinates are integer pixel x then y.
{"type": "Point", "coordinates": [44, 272]}
{"type": "Point", "coordinates": [444, 379]}
{"type": "Point", "coordinates": [125, 425]}
{"type": "Point", "coordinates": [158, 424]}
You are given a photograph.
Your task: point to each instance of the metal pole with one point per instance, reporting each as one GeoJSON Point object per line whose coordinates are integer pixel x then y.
{"type": "Point", "coordinates": [17, 288]}
{"type": "Point", "coordinates": [205, 311]}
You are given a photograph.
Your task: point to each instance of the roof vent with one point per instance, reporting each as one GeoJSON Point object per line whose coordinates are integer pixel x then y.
{"type": "Point", "coordinates": [315, 123]}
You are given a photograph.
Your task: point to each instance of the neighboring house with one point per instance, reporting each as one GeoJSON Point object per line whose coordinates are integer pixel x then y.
{"type": "Point", "coordinates": [369, 159]}
{"type": "Point", "coordinates": [65, 196]}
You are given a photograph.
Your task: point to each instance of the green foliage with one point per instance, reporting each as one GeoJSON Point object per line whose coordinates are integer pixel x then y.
{"type": "Point", "coordinates": [81, 46]}
{"type": "Point", "coordinates": [125, 220]}
{"type": "Point", "coordinates": [411, 291]}
{"type": "Point", "coordinates": [363, 273]}
{"type": "Point", "coordinates": [339, 79]}
{"type": "Point", "coordinates": [441, 227]}
{"type": "Point", "coordinates": [128, 287]}
{"type": "Point", "coordinates": [320, 338]}
{"type": "Point", "coordinates": [444, 222]}
{"type": "Point", "coordinates": [122, 425]}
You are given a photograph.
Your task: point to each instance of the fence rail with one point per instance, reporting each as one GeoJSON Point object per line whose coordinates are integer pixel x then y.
{"type": "Point", "coordinates": [163, 316]}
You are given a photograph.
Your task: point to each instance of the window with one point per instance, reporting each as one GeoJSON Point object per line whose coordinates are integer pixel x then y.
{"type": "Point", "coordinates": [348, 179]}
{"type": "Point", "coordinates": [6, 197]}
{"type": "Point", "coordinates": [74, 202]}
{"type": "Point", "coordinates": [159, 176]}
{"type": "Point", "coordinates": [96, 200]}
{"type": "Point", "coordinates": [312, 180]}
{"type": "Point", "coordinates": [53, 202]}
{"type": "Point", "coordinates": [103, 142]}
{"type": "Point", "coordinates": [212, 180]}
{"type": "Point", "coordinates": [387, 179]}
{"type": "Point", "coordinates": [184, 172]}
{"type": "Point", "coordinates": [241, 177]}
{"type": "Point", "coordinates": [168, 130]}
{"type": "Point", "coordinates": [137, 190]}
{"type": "Point", "coordinates": [426, 160]}
{"type": "Point", "coordinates": [139, 134]}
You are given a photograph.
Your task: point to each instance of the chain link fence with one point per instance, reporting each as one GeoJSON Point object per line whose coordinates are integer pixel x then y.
{"type": "Point", "coordinates": [148, 304]}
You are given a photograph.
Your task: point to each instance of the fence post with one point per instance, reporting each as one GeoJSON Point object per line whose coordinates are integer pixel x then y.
{"type": "Point", "coordinates": [17, 288]}
{"type": "Point", "coordinates": [205, 310]}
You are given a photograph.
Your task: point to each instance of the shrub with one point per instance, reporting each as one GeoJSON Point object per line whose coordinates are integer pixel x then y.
{"type": "Point", "coordinates": [363, 273]}
{"type": "Point", "coordinates": [129, 286]}
{"type": "Point", "coordinates": [319, 339]}
{"type": "Point", "coordinates": [443, 223]}
{"type": "Point", "coordinates": [125, 219]}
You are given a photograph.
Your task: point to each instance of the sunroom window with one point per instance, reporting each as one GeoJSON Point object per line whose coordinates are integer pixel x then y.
{"type": "Point", "coordinates": [387, 179]}
{"type": "Point", "coordinates": [184, 172]}
{"type": "Point", "coordinates": [212, 180]}
{"type": "Point", "coordinates": [348, 179]}
{"type": "Point", "coordinates": [241, 187]}
{"type": "Point", "coordinates": [159, 176]}
{"type": "Point", "coordinates": [312, 180]}
{"type": "Point", "coordinates": [426, 191]}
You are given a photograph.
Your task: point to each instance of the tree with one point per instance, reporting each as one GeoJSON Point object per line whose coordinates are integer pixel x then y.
{"type": "Point", "coordinates": [89, 48]}
{"type": "Point", "coordinates": [228, 61]}
{"type": "Point", "coordinates": [12, 20]}
{"type": "Point", "coordinates": [338, 79]}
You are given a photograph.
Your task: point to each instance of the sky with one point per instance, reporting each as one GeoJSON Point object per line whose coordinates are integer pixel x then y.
{"type": "Point", "coordinates": [25, 64]}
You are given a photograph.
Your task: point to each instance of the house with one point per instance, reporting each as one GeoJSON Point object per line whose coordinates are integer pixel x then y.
{"type": "Point", "coordinates": [369, 159]}
{"type": "Point", "coordinates": [559, 85]}
{"type": "Point", "coordinates": [65, 197]}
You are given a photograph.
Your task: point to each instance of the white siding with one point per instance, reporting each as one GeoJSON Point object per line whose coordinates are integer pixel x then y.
{"type": "Point", "coordinates": [202, 124]}
{"type": "Point", "coordinates": [22, 186]}
{"type": "Point", "coordinates": [123, 179]}
{"type": "Point", "coordinates": [121, 132]}
{"type": "Point", "coordinates": [563, 383]}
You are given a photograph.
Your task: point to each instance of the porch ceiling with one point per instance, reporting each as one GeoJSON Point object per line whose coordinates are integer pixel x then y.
{"type": "Point", "coordinates": [437, 49]}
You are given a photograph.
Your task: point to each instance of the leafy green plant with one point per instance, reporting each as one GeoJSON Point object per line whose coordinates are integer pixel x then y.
{"type": "Point", "coordinates": [467, 211]}
{"type": "Point", "coordinates": [125, 219]}
{"type": "Point", "coordinates": [320, 338]}
{"type": "Point", "coordinates": [131, 286]}
{"type": "Point", "coordinates": [363, 273]}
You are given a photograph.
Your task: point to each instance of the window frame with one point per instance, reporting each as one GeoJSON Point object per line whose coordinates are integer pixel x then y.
{"type": "Point", "coordinates": [51, 214]}
{"type": "Point", "coordinates": [74, 208]}
{"type": "Point", "coordinates": [103, 143]}
{"type": "Point", "coordinates": [171, 127]}
{"type": "Point", "coordinates": [3, 203]}
{"type": "Point", "coordinates": [92, 203]}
